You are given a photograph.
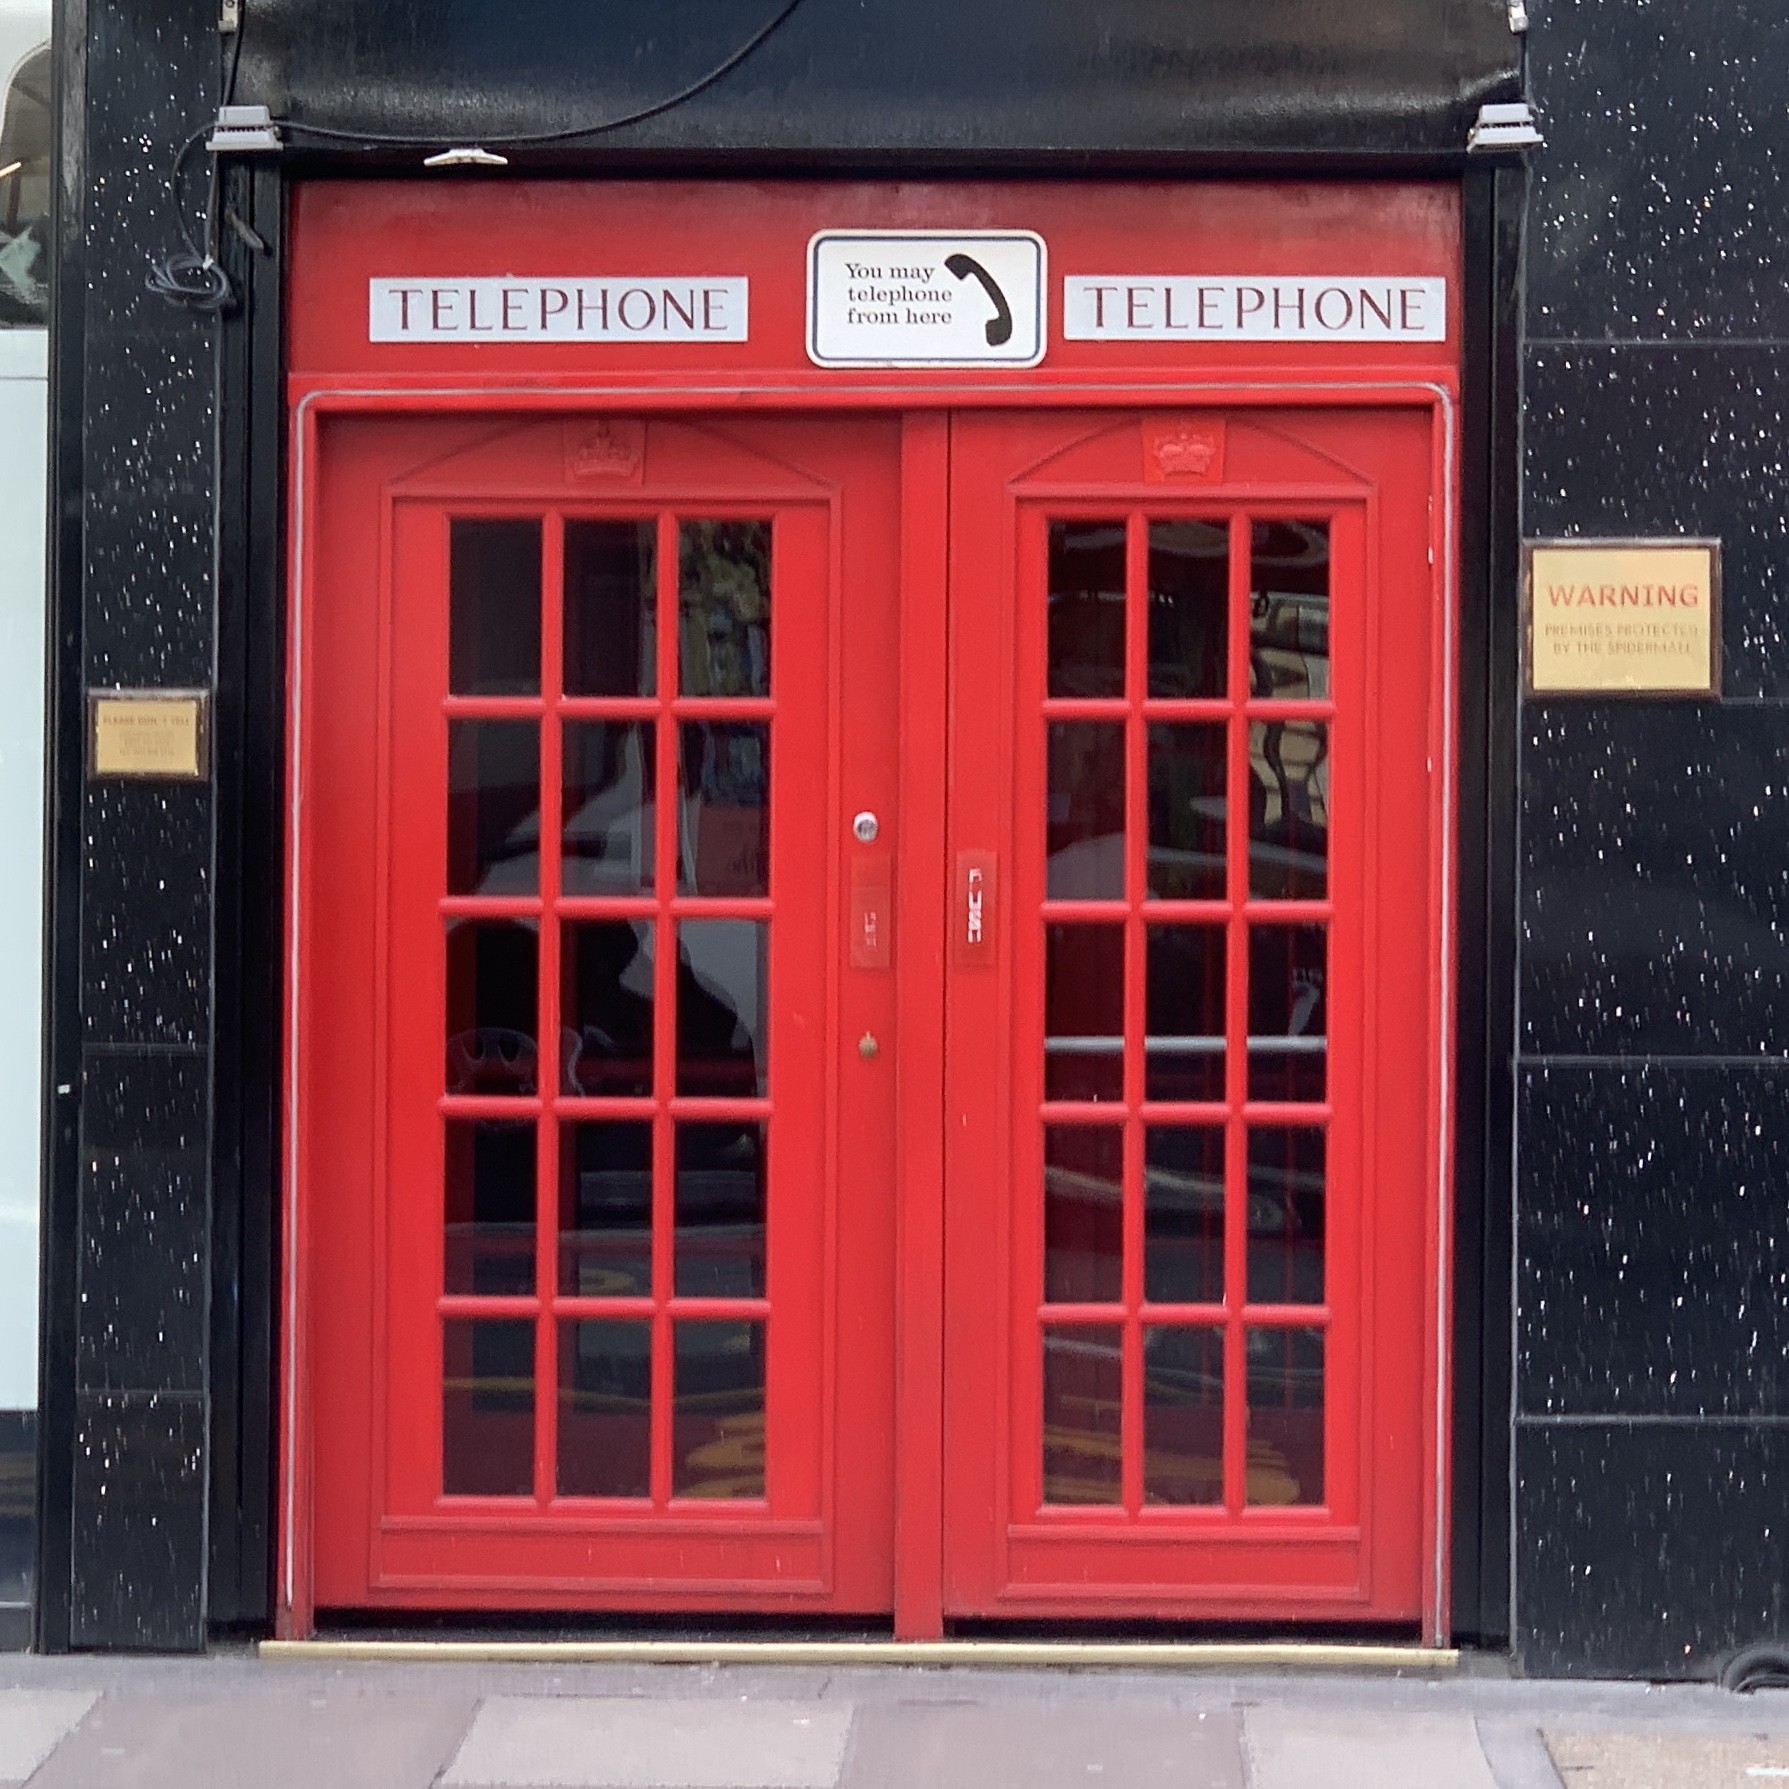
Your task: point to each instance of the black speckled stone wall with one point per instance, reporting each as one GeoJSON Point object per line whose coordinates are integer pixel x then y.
{"type": "Point", "coordinates": [1652, 1371]}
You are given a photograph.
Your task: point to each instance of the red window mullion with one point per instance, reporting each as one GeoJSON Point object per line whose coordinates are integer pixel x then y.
{"type": "Point", "coordinates": [1136, 879]}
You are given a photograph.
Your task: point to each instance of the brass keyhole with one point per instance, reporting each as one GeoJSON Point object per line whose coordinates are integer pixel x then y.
{"type": "Point", "coordinates": [867, 1047]}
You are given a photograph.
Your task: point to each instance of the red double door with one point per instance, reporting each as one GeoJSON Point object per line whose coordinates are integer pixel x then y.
{"type": "Point", "coordinates": [866, 1015]}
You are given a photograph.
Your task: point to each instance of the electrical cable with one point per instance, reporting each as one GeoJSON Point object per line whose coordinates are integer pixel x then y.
{"type": "Point", "coordinates": [191, 277]}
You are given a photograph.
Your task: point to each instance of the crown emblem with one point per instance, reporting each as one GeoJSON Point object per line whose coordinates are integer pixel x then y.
{"type": "Point", "coordinates": [1187, 452]}
{"type": "Point", "coordinates": [604, 449]}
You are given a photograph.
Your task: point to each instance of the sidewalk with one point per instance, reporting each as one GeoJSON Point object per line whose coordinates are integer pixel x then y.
{"type": "Point", "coordinates": [234, 1719]}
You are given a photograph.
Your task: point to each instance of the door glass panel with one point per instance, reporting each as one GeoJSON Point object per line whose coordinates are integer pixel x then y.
{"type": "Point", "coordinates": [493, 807]}
{"type": "Point", "coordinates": [723, 582]}
{"type": "Point", "coordinates": [1183, 1214]}
{"type": "Point", "coordinates": [717, 1430]}
{"type": "Point", "coordinates": [611, 608]}
{"type": "Point", "coordinates": [1289, 810]}
{"type": "Point", "coordinates": [492, 967]}
{"type": "Point", "coordinates": [1084, 1012]}
{"type": "Point", "coordinates": [605, 1409]}
{"type": "Point", "coordinates": [1086, 825]}
{"type": "Point", "coordinates": [723, 997]}
{"type": "Point", "coordinates": [605, 1209]}
{"type": "Point", "coordinates": [1288, 1014]}
{"type": "Point", "coordinates": [1183, 1415]}
{"type": "Point", "coordinates": [494, 605]}
{"type": "Point", "coordinates": [1186, 813]}
{"type": "Point", "coordinates": [1087, 608]}
{"type": "Point", "coordinates": [1184, 1013]}
{"type": "Point", "coordinates": [607, 842]}
{"type": "Point", "coordinates": [1083, 1214]}
{"type": "Point", "coordinates": [1083, 1405]}
{"type": "Point", "coordinates": [490, 1197]}
{"type": "Point", "coordinates": [1285, 1378]}
{"type": "Point", "coordinates": [723, 829]}
{"type": "Point", "coordinates": [1286, 1215]}
{"type": "Point", "coordinates": [487, 1407]}
{"type": "Point", "coordinates": [1189, 599]}
{"type": "Point", "coordinates": [1289, 610]}
{"type": "Point", "coordinates": [606, 1007]}
{"type": "Point", "coordinates": [720, 1211]}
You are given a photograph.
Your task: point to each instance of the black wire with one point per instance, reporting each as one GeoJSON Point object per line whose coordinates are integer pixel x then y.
{"type": "Point", "coordinates": [191, 277]}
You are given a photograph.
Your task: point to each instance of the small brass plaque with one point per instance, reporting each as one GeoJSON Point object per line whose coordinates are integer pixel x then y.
{"type": "Point", "coordinates": [148, 733]}
{"type": "Point", "coordinates": [1622, 617]}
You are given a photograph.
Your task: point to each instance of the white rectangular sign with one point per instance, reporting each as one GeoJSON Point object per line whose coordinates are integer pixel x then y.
{"type": "Point", "coordinates": [574, 308]}
{"type": "Point", "coordinates": [928, 298]}
{"type": "Point", "coordinates": [1131, 307]}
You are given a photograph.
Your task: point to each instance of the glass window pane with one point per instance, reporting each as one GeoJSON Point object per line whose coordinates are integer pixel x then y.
{"type": "Point", "coordinates": [489, 1212]}
{"type": "Point", "coordinates": [494, 584]}
{"type": "Point", "coordinates": [608, 808]}
{"type": "Point", "coordinates": [25, 184]}
{"type": "Point", "coordinates": [1183, 1415]}
{"type": "Point", "coordinates": [487, 1407]}
{"type": "Point", "coordinates": [492, 966]}
{"type": "Point", "coordinates": [605, 1409]}
{"type": "Point", "coordinates": [723, 830]}
{"type": "Point", "coordinates": [605, 1209]}
{"type": "Point", "coordinates": [1289, 810]}
{"type": "Point", "coordinates": [1285, 1374]}
{"type": "Point", "coordinates": [1083, 1214]}
{"type": "Point", "coordinates": [1086, 821]}
{"type": "Point", "coordinates": [1288, 1013]}
{"type": "Point", "coordinates": [723, 1008]}
{"type": "Point", "coordinates": [721, 1205]}
{"type": "Point", "coordinates": [1087, 608]}
{"type": "Point", "coordinates": [1286, 1215]}
{"type": "Point", "coordinates": [1184, 1014]}
{"type": "Point", "coordinates": [723, 586]}
{"type": "Point", "coordinates": [1083, 1012]}
{"type": "Point", "coordinates": [1083, 1405]}
{"type": "Point", "coordinates": [611, 608]}
{"type": "Point", "coordinates": [717, 1428]}
{"type": "Point", "coordinates": [1187, 803]}
{"type": "Point", "coordinates": [493, 807]}
{"type": "Point", "coordinates": [1183, 1214]}
{"type": "Point", "coordinates": [606, 1007]}
{"type": "Point", "coordinates": [1289, 609]}
{"type": "Point", "coordinates": [1189, 601]}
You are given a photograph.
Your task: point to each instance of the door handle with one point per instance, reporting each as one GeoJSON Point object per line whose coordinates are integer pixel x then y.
{"type": "Point", "coordinates": [976, 908]}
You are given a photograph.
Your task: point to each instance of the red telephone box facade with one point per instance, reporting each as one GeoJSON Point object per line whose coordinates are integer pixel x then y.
{"type": "Point", "coordinates": [868, 1000]}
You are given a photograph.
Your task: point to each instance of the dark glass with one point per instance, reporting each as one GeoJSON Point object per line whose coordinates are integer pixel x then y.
{"type": "Point", "coordinates": [489, 1208]}
{"type": "Point", "coordinates": [1183, 1415]}
{"type": "Point", "coordinates": [721, 1207]}
{"type": "Point", "coordinates": [1183, 1011]}
{"type": "Point", "coordinates": [492, 972]}
{"type": "Point", "coordinates": [493, 807]}
{"type": "Point", "coordinates": [606, 1007]}
{"type": "Point", "coordinates": [723, 594]}
{"type": "Point", "coordinates": [605, 1408]}
{"type": "Point", "coordinates": [494, 608]}
{"type": "Point", "coordinates": [723, 1008]}
{"type": "Point", "coordinates": [605, 1208]}
{"type": "Point", "coordinates": [1187, 803]}
{"type": "Point", "coordinates": [1083, 1214]}
{"type": "Point", "coordinates": [487, 1407]}
{"type": "Point", "coordinates": [1286, 1215]}
{"type": "Point", "coordinates": [1189, 603]}
{"type": "Point", "coordinates": [1083, 1413]}
{"type": "Point", "coordinates": [723, 832]}
{"type": "Point", "coordinates": [1183, 1214]}
{"type": "Point", "coordinates": [1083, 1012]}
{"type": "Point", "coordinates": [1288, 1012]}
{"type": "Point", "coordinates": [611, 608]}
{"type": "Point", "coordinates": [1285, 1374]}
{"type": "Point", "coordinates": [1289, 810]}
{"type": "Point", "coordinates": [1086, 817]}
{"type": "Point", "coordinates": [1087, 608]}
{"type": "Point", "coordinates": [608, 826]}
{"type": "Point", "coordinates": [717, 1423]}
{"type": "Point", "coordinates": [1289, 609]}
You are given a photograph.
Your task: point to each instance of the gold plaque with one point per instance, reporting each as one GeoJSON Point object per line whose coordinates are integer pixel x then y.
{"type": "Point", "coordinates": [1622, 617]}
{"type": "Point", "coordinates": [148, 733]}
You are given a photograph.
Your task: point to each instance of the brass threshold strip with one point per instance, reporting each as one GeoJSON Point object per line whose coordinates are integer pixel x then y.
{"type": "Point", "coordinates": [1213, 1655]}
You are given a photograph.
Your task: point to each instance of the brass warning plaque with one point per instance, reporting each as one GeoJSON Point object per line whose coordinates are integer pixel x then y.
{"type": "Point", "coordinates": [148, 733]}
{"type": "Point", "coordinates": [1623, 617]}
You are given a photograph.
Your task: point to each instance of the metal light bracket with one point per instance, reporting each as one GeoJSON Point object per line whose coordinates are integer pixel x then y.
{"type": "Point", "coordinates": [1504, 127]}
{"type": "Point", "coordinates": [244, 130]}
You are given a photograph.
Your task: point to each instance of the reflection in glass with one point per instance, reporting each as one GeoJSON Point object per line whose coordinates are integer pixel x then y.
{"type": "Point", "coordinates": [723, 830]}
{"type": "Point", "coordinates": [1183, 1006]}
{"type": "Point", "coordinates": [1087, 608]}
{"type": "Point", "coordinates": [1288, 1012]}
{"type": "Point", "coordinates": [1183, 1415]}
{"type": "Point", "coordinates": [605, 1209]}
{"type": "Point", "coordinates": [605, 1408]}
{"type": "Point", "coordinates": [1086, 820]}
{"type": "Point", "coordinates": [606, 1007]}
{"type": "Point", "coordinates": [1183, 1214]}
{"type": "Point", "coordinates": [723, 1007]}
{"type": "Point", "coordinates": [1186, 813]}
{"type": "Point", "coordinates": [717, 1422]}
{"type": "Point", "coordinates": [1289, 810]}
{"type": "Point", "coordinates": [720, 1211]}
{"type": "Point", "coordinates": [1285, 1375]}
{"type": "Point", "coordinates": [493, 807]}
{"type": "Point", "coordinates": [608, 808]}
{"type": "Point", "coordinates": [1083, 1214]}
{"type": "Point", "coordinates": [1286, 1215]}
{"type": "Point", "coordinates": [487, 1407]}
{"type": "Point", "coordinates": [611, 605]}
{"type": "Point", "coordinates": [489, 1208]}
{"type": "Point", "coordinates": [1083, 1012]}
{"type": "Point", "coordinates": [492, 1046]}
{"type": "Point", "coordinates": [1083, 1405]}
{"type": "Point", "coordinates": [1189, 600]}
{"type": "Point", "coordinates": [723, 593]}
{"type": "Point", "coordinates": [494, 606]}
{"type": "Point", "coordinates": [25, 142]}
{"type": "Point", "coordinates": [1289, 610]}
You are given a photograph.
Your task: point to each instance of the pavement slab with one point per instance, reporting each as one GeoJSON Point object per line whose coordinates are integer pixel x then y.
{"type": "Point", "coordinates": [33, 1723]}
{"type": "Point", "coordinates": [1339, 1749]}
{"type": "Point", "coordinates": [1669, 1761]}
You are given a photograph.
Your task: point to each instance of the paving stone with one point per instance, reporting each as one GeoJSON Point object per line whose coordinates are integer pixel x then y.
{"type": "Point", "coordinates": [610, 1742]}
{"type": "Point", "coordinates": [1649, 1761]}
{"type": "Point", "coordinates": [31, 1724]}
{"type": "Point", "coordinates": [1345, 1750]}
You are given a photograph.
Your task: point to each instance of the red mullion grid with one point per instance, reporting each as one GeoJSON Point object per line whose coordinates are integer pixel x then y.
{"type": "Point", "coordinates": [1136, 872]}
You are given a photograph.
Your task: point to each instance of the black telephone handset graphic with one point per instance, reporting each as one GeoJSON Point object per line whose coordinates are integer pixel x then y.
{"type": "Point", "coordinates": [1000, 325]}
